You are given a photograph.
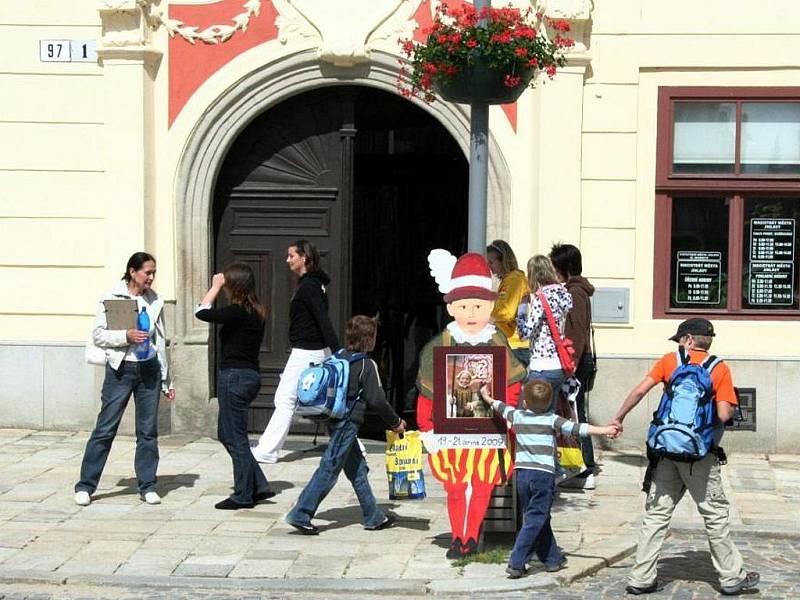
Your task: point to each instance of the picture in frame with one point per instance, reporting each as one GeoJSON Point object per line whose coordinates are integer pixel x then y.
{"type": "Point", "coordinates": [459, 373]}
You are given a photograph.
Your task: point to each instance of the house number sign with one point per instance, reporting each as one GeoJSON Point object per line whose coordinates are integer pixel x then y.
{"type": "Point", "coordinates": [68, 50]}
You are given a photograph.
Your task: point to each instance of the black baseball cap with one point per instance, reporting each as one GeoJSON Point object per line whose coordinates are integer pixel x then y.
{"type": "Point", "coordinates": [695, 327]}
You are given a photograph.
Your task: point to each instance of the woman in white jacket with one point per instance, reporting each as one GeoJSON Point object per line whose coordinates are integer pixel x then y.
{"type": "Point", "coordinates": [145, 374]}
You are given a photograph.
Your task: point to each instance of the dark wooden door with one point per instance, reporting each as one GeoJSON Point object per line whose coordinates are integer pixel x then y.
{"type": "Point", "coordinates": [287, 177]}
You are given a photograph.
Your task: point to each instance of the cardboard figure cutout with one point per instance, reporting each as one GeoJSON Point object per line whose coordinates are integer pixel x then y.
{"type": "Point", "coordinates": [468, 474]}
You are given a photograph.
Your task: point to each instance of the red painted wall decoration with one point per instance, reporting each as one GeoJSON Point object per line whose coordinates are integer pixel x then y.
{"type": "Point", "coordinates": [190, 65]}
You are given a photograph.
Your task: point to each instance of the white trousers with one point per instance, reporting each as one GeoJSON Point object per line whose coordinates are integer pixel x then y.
{"type": "Point", "coordinates": [274, 436]}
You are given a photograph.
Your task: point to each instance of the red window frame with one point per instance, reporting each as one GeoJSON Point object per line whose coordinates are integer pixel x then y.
{"type": "Point", "coordinates": [733, 186]}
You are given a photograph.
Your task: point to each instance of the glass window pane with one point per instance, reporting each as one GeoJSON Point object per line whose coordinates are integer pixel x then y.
{"type": "Point", "coordinates": [699, 262]}
{"type": "Point", "coordinates": [770, 268]}
{"type": "Point", "coordinates": [770, 137]}
{"type": "Point", "coordinates": [704, 137]}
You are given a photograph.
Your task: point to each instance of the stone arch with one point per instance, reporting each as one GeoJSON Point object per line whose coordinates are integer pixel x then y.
{"type": "Point", "coordinates": [225, 119]}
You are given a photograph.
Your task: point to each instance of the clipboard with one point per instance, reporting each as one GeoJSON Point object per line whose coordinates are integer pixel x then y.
{"type": "Point", "coordinates": [121, 314]}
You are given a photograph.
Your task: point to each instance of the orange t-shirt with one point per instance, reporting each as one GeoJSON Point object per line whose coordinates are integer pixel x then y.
{"type": "Point", "coordinates": [720, 376]}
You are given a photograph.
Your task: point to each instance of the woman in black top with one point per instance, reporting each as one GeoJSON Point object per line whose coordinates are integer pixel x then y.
{"type": "Point", "coordinates": [312, 338]}
{"type": "Point", "coordinates": [239, 379]}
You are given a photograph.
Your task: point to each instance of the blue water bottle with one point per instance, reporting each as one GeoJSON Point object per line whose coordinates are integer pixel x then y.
{"type": "Point", "coordinates": [143, 324]}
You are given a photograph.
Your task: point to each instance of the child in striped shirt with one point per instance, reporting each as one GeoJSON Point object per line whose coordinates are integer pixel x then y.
{"type": "Point", "coordinates": [535, 427]}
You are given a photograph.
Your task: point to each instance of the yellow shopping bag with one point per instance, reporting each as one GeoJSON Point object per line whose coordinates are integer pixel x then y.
{"type": "Point", "coordinates": [404, 466]}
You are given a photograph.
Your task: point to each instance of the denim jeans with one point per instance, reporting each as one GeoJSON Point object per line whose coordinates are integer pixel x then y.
{"type": "Point", "coordinates": [143, 380]}
{"type": "Point", "coordinates": [236, 389]}
{"type": "Point", "coordinates": [535, 490]}
{"type": "Point", "coordinates": [582, 374]}
{"type": "Point", "coordinates": [343, 452]}
{"type": "Point", "coordinates": [552, 376]}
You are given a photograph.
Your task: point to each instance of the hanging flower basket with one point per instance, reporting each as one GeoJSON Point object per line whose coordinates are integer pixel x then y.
{"type": "Point", "coordinates": [489, 55]}
{"type": "Point", "coordinates": [481, 82]}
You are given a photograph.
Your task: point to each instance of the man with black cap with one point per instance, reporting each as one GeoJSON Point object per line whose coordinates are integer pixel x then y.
{"type": "Point", "coordinates": [702, 478]}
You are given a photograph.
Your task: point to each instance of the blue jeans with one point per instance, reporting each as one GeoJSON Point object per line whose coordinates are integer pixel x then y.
{"type": "Point", "coordinates": [535, 490]}
{"type": "Point", "coordinates": [342, 453]}
{"type": "Point", "coordinates": [143, 380]}
{"type": "Point", "coordinates": [236, 389]}
{"type": "Point", "coordinates": [552, 376]}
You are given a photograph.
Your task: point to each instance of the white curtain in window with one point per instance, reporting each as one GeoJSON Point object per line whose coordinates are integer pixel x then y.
{"type": "Point", "coordinates": [705, 133]}
{"type": "Point", "coordinates": [771, 133]}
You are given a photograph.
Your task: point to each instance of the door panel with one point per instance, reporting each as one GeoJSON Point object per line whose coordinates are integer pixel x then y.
{"type": "Point", "coordinates": [285, 180]}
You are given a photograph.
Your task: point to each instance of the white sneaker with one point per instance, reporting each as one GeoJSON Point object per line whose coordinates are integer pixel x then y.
{"type": "Point", "coordinates": [263, 458]}
{"type": "Point", "coordinates": [83, 498]}
{"type": "Point", "coordinates": [588, 482]}
{"type": "Point", "coordinates": [151, 498]}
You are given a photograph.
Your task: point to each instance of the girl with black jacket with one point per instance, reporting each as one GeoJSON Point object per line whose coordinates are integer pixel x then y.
{"type": "Point", "coordinates": [312, 338]}
{"type": "Point", "coordinates": [239, 377]}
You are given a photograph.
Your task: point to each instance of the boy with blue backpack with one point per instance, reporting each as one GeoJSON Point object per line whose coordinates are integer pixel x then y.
{"type": "Point", "coordinates": [356, 386]}
{"type": "Point", "coordinates": [684, 455]}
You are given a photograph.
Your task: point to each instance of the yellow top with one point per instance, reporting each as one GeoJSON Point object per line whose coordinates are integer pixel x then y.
{"type": "Point", "coordinates": [511, 291]}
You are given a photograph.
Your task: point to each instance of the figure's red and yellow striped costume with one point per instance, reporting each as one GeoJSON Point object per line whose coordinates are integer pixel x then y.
{"type": "Point", "coordinates": [460, 465]}
{"type": "Point", "coordinates": [477, 470]}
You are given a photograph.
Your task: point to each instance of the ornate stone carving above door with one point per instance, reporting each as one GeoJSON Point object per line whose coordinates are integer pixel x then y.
{"type": "Point", "coordinates": [346, 29]}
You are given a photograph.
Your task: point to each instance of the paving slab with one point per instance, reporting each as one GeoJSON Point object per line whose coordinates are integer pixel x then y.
{"type": "Point", "coordinates": [185, 542]}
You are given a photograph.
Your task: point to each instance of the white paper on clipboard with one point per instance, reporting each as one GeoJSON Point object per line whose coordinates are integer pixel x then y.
{"type": "Point", "coordinates": [120, 314]}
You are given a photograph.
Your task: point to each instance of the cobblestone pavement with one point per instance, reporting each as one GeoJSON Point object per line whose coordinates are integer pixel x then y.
{"type": "Point", "coordinates": [184, 543]}
{"type": "Point", "coordinates": [685, 571]}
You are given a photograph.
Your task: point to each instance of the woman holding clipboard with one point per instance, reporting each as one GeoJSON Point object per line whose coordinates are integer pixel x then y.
{"type": "Point", "coordinates": [135, 363]}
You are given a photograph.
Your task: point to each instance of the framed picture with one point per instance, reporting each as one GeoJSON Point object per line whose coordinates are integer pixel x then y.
{"type": "Point", "coordinates": [459, 373]}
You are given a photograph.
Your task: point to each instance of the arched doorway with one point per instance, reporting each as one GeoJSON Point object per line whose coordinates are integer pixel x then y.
{"type": "Point", "coordinates": [375, 182]}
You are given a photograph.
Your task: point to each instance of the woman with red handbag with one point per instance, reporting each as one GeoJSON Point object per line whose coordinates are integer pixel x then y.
{"type": "Point", "coordinates": [541, 320]}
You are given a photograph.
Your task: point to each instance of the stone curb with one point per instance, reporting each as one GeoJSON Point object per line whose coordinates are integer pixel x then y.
{"type": "Point", "coordinates": [739, 532]}
{"type": "Point", "coordinates": [594, 557]}
{"type": "Point", "coordinates": [591, 559]}
{"type": "Point", "coordinates": [309, 585]}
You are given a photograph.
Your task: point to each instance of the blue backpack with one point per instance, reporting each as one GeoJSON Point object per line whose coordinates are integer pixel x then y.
{"type": "Point", "coordinates": [683, 425]}
{"type": "Point", "coordinates": [322, 387]}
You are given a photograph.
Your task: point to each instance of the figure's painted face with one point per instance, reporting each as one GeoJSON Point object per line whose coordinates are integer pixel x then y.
{"type": "Point", "coordinates": [464, 379]}
{"type": "Point", "coordinates": [471, 314]}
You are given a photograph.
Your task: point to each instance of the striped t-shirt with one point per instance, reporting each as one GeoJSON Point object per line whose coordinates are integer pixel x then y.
{"type": "Point", "coordinates": [536, 436]}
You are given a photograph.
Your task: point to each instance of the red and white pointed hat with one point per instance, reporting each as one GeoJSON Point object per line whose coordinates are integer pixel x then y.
{"type": "Point", "coordinates": [467, 277]}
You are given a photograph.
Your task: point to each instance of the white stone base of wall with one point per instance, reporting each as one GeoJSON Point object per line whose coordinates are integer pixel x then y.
{"type": "Point", "coordinates": [50, 386]}
{"type": "Point", "coordinates": [777, 384]}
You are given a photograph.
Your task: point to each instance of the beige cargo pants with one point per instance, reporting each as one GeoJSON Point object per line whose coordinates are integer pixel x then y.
{"type": "Point", "coordinates": [703, 481]}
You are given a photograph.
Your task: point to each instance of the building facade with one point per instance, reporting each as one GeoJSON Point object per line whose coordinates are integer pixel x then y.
{"type": "Point", "coordinates": [202, 131]}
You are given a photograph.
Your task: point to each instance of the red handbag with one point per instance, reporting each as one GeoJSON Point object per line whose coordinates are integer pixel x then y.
{"type": "Point", "coordinates": [566, 353]}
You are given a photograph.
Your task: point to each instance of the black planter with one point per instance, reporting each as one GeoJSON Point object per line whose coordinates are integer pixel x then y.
{"type": "Point", "coordinates": [482, 83]}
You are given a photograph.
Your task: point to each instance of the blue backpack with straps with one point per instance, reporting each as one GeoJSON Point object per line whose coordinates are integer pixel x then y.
{"type": "Point", "coordinates": [322, 387]}
{"type": "Point", "coordinates": [683, 425]}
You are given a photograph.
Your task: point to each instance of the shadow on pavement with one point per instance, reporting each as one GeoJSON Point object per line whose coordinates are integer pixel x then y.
{"type": "Point", "coordinates": [166, 484]}
{"type": "Point", "coordinates": [627, 459]}
{"type": "Point", "coordinates": [692, 565]}
{"type": "Point", "coordinates": [347, 515]}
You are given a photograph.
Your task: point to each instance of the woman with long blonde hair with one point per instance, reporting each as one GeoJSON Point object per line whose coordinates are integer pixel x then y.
{"type": "Point", "coordinates": [532, 320]}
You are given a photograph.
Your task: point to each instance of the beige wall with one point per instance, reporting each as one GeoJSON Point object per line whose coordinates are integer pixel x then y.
{"type": "Point", "coordinates": [92, 171]}
{"type": "Point", "coordinates": [51, 170]}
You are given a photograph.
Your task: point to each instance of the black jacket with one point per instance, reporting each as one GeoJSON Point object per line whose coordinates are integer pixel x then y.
{"type": "Point", "coordinates": [310, 327]}
{"type": "Point", "coordinates": [364, 375]}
